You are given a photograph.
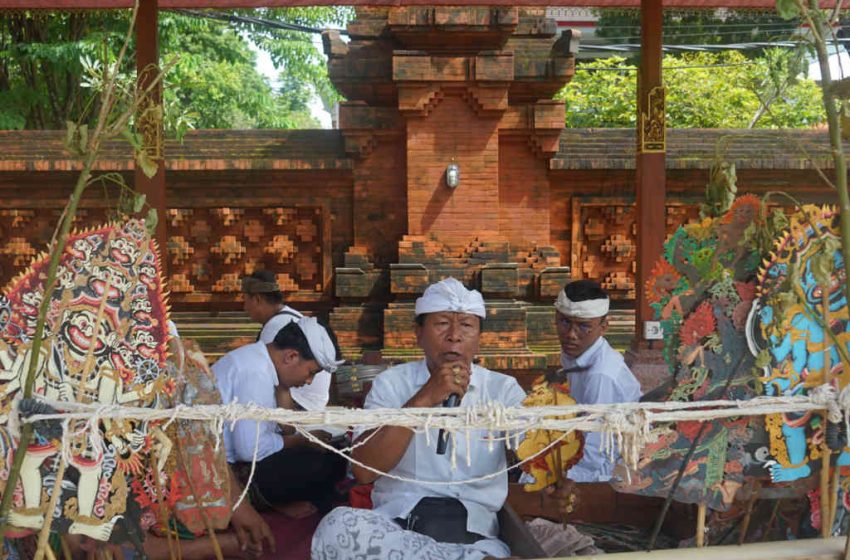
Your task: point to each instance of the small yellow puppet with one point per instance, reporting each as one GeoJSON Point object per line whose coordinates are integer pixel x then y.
{"type": "Point", "coordinates": [548, 468]}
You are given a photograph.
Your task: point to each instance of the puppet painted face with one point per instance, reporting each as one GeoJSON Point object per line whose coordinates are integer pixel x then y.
{"type": "Point", "coordinates": [123, 251]}
{"type": "Point", "coordinates": [142, 309]}
{"type": "Point", "coordinates": [78, 331]}
{"type": "Point", "coordinates": [144, 342]}
{"type": "Point", "coordinates": [147, 275]}
{"type": "Point", "coordinates": [101, 275]}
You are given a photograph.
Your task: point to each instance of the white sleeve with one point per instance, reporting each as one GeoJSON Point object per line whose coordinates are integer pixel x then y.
{"type": "Point", "coordinates": [512, 393]}
{"type": "Point", "coordinates": [381, 395]}
{"type": "Point", "coordinates": [240, 437]}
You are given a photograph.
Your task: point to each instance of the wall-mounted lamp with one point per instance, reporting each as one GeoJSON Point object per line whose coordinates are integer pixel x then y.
{"type": "Point", "coordinates": [453, 175]}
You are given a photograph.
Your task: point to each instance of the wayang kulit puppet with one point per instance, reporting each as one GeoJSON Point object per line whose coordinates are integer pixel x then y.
{"type": "Point", "coordinates": [799, 330]}
{"type": "Point", "coordinates": [104, 342]}
{"type": "Point", "coordinates": [702, 290]}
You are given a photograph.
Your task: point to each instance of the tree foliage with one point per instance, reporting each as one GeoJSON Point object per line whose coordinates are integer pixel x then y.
{"type": "Point", "coordinates": [214, 84]}
{"type": "Point", "coordinates": [704, 90]}
{"type": "Point", "coordinates": [704, 27]}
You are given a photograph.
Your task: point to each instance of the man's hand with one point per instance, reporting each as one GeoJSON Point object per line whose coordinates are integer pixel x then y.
{"type": "Point", "coordinates": [563, 492]}
{"type": "Point", "coordinates": [251, 530]}
{"type": "Point", "coordinates": [451, 378]}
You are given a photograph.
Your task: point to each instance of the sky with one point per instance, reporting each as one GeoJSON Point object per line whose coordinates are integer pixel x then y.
{"type": "Point", "coordinates": [837, 63]}
{"type": "Point", "coordinates": [266, 67]}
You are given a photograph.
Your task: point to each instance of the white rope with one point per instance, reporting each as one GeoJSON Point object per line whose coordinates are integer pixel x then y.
{"type": "Point", "coordinates": [617, 418]}
{"type": "Point", "coordinates": [627, 427]}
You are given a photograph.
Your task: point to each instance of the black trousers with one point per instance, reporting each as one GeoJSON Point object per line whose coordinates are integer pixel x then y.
{"type": "Point", "coordinates": [299, 474]}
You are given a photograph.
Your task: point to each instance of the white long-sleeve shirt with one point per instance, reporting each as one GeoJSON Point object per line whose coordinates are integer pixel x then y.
{"type": "Point", "coordinates": [247, 375]}
{"type": "Point", "coordinates": [598, 376]}
{"type": "Point", "coordinates": [482, 499]}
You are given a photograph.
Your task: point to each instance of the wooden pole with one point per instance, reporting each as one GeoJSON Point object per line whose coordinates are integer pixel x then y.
{"type": "Point", "coordinates": [745, 524]}
{"type": "Point", "coordinates": [66, 550]}
{"type": "Point", "coordinates": [147, 68]}
{"type": "Point", "coordinates": [43, 546]}
{"type": "Point", "coordinates": [650, 172]}
{"type": "Point", "coordinates": [700, 537]}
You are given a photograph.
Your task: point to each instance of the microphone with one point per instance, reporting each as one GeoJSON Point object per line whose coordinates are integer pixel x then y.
{"type": "Point", "coordinates": [443, 438]}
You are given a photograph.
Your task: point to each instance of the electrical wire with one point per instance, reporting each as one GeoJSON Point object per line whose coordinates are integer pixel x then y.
{"type": "Point", "coordinates": [251, 20]}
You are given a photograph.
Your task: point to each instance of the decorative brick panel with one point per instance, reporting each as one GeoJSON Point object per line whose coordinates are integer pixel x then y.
{"type": "Point", "coordinates": [604, 240]}
{"type": "Point", "coordinates": [236, 241]}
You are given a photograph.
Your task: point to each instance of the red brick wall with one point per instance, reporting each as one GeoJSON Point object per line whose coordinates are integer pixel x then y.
{"type": "Point", "coordinates": [380, 200]}
{"type": "Point", "coordinates": [523, 195]}
{"type": "Point", "coordinates": [452, 130]}
{"type": "Point", "coordinates": [318, 240]}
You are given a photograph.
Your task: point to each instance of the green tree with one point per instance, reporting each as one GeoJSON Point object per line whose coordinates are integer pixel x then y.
{"type": "Point", "coordinates": [214, 84]}
{"type": "Point", "coordinates": [705, 27]}
{"type": "Point", "coordinates": [704, 90]}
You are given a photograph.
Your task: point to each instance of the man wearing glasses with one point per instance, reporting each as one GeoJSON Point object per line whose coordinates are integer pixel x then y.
{"type": "Point", "coordinates": [597, 373]}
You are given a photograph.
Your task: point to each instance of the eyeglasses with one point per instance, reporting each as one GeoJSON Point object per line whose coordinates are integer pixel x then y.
{"type": "Point", "coordinates": [582, 329]}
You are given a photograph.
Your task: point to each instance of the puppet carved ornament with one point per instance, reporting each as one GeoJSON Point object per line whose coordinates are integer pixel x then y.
{"type": "Point", "coordinates": [547, 468]}
{"type": "Point", "coordinates": [104, 341]}
{"type": "Point", "coordinates": [702, 289]}
{"type": "Point", "coordinates": [801, 300]}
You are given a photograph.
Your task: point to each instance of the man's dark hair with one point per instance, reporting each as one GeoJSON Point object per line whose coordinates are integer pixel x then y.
{"type": "Point", "coordinates": [291, 337]}
{"type": "Point", "coordinates": [275, 298]}
{"type": "Point", "coordinates": [583, 290]}
{"type": "Point", "coordinates": [420, 320]}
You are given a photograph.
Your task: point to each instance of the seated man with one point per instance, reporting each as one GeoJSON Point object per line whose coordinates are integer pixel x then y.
{"type": "Point", "coordinates": [264, 304]}
{"type": "Point", "coordinates": [596, 372]}
{"type": "Point", "coordinates": [285, 475]}
{"type": "Point", "coordinates": [410, 520]}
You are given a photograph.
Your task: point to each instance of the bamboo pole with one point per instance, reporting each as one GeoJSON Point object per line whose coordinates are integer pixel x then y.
{"type": "Point", "coordinates": [847, 548]}
{"type": "Point", "coordinates": [44, 534]}
{"type": "Point", "coordinates": [700, 536]}
{"type": "Point", "coordinates": [771, 520]}
{"type": "Point", "coordinates": [745, 524]}
{"type": "Point", "coordinates": [66, 550]}
{"type": "Point", "coordinates": [833, 494]}
{"type": "Point", "coordinates": [163, 512]}
{"type": "Point", "coordinates": [826, 452]}
{"type": "Point", "coordinates": [181, 454]}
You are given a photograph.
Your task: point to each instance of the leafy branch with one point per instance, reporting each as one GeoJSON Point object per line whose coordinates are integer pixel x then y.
{"type": "Point", "coordinates": [117, 108]}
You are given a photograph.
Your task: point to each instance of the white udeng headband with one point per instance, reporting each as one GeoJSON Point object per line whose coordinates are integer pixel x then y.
{"type": "Point", "coordinates": [450, 295]}
{"type": "Point", "coordinates": [587, 309]}
{"type": "Point", "coordinates": [320, 343]}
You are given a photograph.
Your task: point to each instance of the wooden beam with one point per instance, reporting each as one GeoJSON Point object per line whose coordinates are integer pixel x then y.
{"type": "Point", "coordinates": [804, 549]}
{"type": "Point", "coordinates": [147, 67]}
{"type": "Point", "coordinates": [768, 5]}
{"type": "Point", "coordinates": [650, 165]}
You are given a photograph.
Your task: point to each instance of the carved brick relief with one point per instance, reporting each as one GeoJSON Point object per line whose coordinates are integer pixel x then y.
{"type": "Point", "coordinates": [209, 249]}
{"type": "Point", "coordinates": [604, 241]}
{"type": "Point", "coordinates": [228, 243]}
{"type": "Point", "coordinates": [24, 233]}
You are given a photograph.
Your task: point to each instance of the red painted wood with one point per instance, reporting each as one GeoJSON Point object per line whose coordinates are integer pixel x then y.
{"type": "Point", "coordinates": [166, 4]}
{"type": "Point", "coordinates": [147, 53]}
{"type": "Point", "coordinates": [650, 168]}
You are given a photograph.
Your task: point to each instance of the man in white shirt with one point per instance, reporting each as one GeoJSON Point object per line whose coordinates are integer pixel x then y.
{"type": "Point", "coordinates": [286, 474]}
{"type": "Point", "coordinates": [597, 374]}
{"type": "Point", "coordinates": [418, 521]}
{"type": "Point", "coordinates": [264, 304]}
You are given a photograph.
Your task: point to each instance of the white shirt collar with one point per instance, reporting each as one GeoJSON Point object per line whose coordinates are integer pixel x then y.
{"type": "Point", "coordinates": [586, 358]}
